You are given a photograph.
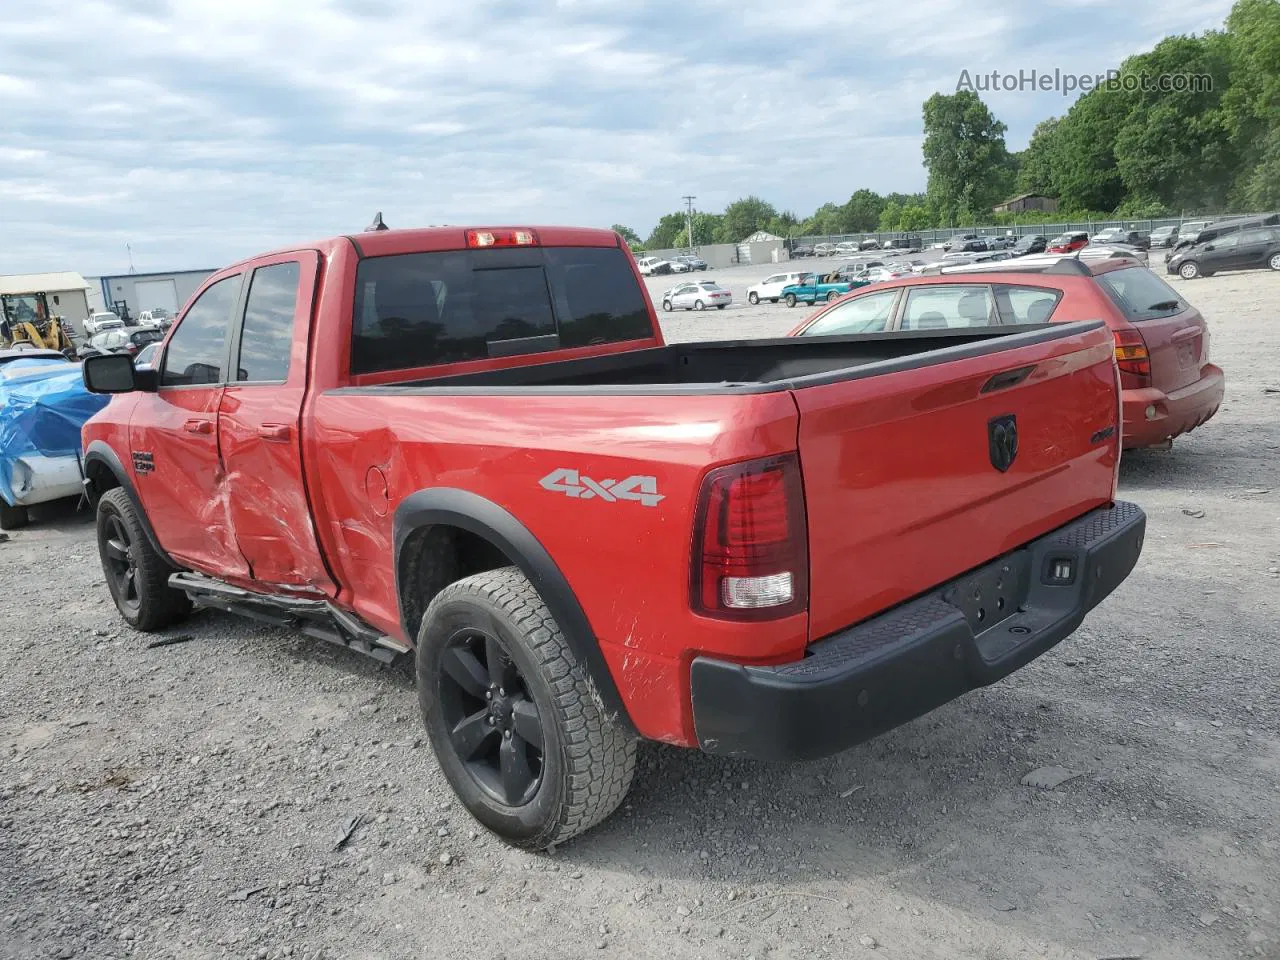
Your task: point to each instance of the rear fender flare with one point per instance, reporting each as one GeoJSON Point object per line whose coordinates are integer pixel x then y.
{"type": "Point", "coordinates": [484, 518]}
{"type": "Point", "coordinates": [99, 453]}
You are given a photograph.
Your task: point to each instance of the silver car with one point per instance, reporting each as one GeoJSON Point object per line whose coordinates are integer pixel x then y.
{"type": "Point", "coordinates": [696, 296]}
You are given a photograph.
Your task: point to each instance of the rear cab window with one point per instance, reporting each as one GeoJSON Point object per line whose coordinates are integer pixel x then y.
{"type": "Point", "coordinates": [1140, 294]}
{"type": "Point", "coordinates": [428, 309]}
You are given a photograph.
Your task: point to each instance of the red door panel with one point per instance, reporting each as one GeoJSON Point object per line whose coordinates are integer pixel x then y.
{"type": "Point", "coordinates": [258, 427]}
{"type": "Point", "coordinates": [185, 493]}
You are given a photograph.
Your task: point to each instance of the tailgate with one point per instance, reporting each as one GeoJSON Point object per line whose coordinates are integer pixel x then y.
{"type": "Point", "coordinates": [902, 464]}
{"type": "Point", "coordinates": [1178, 346]}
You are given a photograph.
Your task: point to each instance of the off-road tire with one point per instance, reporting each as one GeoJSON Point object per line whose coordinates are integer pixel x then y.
{"type": "Point", "coordinates": [157, 605]}
{"type": "Point", "coordinates": [588, 760]}
{"type": "Point", "coordinates": [13, 518]}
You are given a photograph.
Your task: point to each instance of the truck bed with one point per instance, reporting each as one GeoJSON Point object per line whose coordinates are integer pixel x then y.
{"type": "Point", "coordinates": [741, 366]}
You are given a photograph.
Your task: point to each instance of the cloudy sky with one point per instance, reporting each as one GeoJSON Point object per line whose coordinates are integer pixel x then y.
{"type": "Point", "coordinates": [201, 131]}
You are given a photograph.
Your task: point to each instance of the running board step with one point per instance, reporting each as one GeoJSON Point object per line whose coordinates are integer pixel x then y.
{"type": "Point", "coordinates": [315, 618]}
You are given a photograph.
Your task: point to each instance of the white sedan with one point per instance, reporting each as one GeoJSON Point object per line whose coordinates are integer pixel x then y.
{"type": "Point", "coordinates": [770, 288]}
{"type": "Point", "coordinates": [696, 296]}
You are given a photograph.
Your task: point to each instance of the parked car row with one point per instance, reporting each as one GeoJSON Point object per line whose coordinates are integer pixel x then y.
{"type": "Point", "coordinates": [1236, 243]}
{"type": "Point", "coordinates": [657, 266]}
{"type": "Point", "coordinates": [908, 244]}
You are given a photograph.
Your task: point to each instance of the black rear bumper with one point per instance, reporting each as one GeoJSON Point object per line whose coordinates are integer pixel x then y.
{"type": "Point", "coordinates": [893, 668]}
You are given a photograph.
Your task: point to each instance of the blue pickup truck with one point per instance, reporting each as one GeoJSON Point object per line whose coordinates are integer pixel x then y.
{"type": "Point", "coordinates": [813, 287]}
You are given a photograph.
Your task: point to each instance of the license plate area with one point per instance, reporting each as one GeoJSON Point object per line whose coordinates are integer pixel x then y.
{"type": "Point", "coordinates": [992, 593]}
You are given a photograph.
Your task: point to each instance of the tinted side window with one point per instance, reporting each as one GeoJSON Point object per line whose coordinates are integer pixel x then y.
{"type": "Point", "coordinates": [198, 347]}
{"type": "Point", "coordinates": [267, 339]}
{"type": "Point", "coordinates": [1256, 236]}
{"type": "Point", "coordinates": [868, 313]}
{"type": "Point", "coordinates": [1228, 242]}
{"type": "Point", "coordinates": [1027, 304]}
{"type": "Point", "coordinates": [948, 306]}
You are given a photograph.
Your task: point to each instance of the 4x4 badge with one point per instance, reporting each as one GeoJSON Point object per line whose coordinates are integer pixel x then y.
{"type": "Point", "coordinates": [643, 490]}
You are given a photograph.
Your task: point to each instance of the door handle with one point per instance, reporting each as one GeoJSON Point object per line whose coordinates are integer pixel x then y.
{"type": "Point", "coordinates": [278, 432]}
{"type": "Point", "coordinates": [198, 426]}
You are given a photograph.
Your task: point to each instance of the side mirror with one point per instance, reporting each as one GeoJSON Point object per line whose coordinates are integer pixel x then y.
{"type": "Point", "coordinates": [1208, 246]}
{"type": "Point", "coordinates": [115, 373]}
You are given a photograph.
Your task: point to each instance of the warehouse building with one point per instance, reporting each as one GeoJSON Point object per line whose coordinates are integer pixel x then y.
{"type": "Point", "coordinates": [66, 293]}
{"type": "Point", "coordinates": [131, 293]}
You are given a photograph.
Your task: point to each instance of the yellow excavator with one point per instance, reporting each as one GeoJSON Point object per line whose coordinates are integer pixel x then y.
{"type": "Point", "coordinates": [25, 318]}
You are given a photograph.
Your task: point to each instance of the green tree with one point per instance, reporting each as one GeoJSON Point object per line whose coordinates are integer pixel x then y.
{"type": "Point", "coordinates": [861, 212]}
{"type": "Point", "coordinates": [707, 228]}
{"type": "Point", "coordinates": [1175, 146]}
{"type": "Point", "coordinates": [915, 216]}
{"type": "Point", "coordinates": [629, 235]}
{"type": "Point", "coordinates": [664, 234]}
{"type": "Point", "coordinates": [744, 217]}
{"type": "Point", "coordinates": [1035, 164]}
{"type": "Point", "coordinates": [1083, 157]}
{"type": "Point", "coordinates": [1251, 103]}
{"type": "Point", "coordinates": [965, 153]}
{"type": "Point", "coordinates": [890, 217]}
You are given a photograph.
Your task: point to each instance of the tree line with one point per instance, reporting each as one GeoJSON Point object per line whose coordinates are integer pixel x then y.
{"type": "Point", "coordinates": [1124, 150]}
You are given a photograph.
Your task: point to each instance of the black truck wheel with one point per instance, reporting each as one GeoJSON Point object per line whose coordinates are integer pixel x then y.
{"type": "Point", "coordinates": [137, 576]}
{"type": "Point", "coordinates": [512, 715]}
{"type": "Point", "coordinates": [12, 517]}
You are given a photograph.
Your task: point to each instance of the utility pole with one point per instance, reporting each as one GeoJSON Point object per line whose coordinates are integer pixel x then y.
{"type": "Point", "coordinates": [688, 217]}
{"type": "Point", "coordinates": [129, 249]}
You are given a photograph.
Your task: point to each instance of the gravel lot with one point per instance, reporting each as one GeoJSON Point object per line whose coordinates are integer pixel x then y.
{"type": "Point", "coordinates": [185, 800]}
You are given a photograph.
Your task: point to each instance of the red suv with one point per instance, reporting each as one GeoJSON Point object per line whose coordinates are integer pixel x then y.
{"type": "Point", "coordinates": [1161, 341]}
{"type": "Point", "coordinates": [1069, 242]}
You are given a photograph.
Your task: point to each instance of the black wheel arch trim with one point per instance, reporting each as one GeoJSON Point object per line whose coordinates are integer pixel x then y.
{"type": "Point", "coordinates": [99, 452]}
{"type": "Point", "coordinates": [484, 518]}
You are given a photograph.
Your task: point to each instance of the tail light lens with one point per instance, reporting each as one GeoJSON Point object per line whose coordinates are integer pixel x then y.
{"type": "Point", "coordinates": [750, 546]}
{"type": "Point", "coordinates": [502, 238]}
{"type": "Point", "coordinates": [1132, 357]}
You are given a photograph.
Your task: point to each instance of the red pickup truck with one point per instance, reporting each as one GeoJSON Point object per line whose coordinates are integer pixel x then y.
{"type": "Point", "coordinates": [475, 446]}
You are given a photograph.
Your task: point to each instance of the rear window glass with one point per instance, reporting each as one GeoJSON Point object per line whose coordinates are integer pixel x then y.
{"type": "Point", "coordinates": [1027, 304]}
{"type": "Point", "coordinates": [424, 309]}
{"type": "Point", "coordinates": [1140, 294]}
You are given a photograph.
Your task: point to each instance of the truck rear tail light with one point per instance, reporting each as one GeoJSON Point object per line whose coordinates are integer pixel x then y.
{"type": "Point", "coordinates": [1132, 356]}
{"type": "Point", "coordinates": [750, 545]}
{"type": "Point", "coordinates": [502, 238]}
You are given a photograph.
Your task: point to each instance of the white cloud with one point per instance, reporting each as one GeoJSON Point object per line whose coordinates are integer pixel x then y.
{"type": "Point", "coordinates": [203, 130]}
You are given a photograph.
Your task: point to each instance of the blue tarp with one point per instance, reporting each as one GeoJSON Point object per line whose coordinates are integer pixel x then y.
{"type": "Point", "coordinates": [43, 405]}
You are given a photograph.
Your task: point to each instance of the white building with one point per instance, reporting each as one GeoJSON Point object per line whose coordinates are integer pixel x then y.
{"type": "Point", "coordinates": [66, 293]}
{"type": "Point", "coordinates": [136, 292]}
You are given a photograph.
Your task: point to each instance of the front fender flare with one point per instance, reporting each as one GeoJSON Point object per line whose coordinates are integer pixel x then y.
{"type": "Point", "coordinates": [484, 518]}
{"type": "Point", "coordinates": [100, 452]}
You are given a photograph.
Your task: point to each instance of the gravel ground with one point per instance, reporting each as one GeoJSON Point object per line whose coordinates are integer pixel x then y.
{"type": "Point", "coordinates": [186, 800]}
